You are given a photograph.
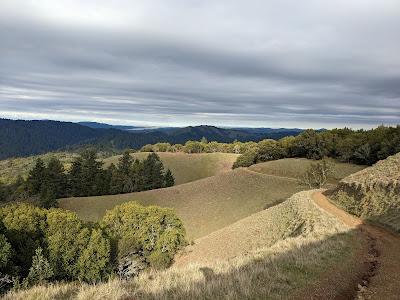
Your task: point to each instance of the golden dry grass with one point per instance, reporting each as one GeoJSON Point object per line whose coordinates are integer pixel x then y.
{"type": "Point", "coordinates": [296, 168]}
{"type": "Point", "coordinates": [373, 193]}
{"type": "Point", "coordinates": [11, 168]}
{"type": "Point", "coordinates": [279, 258]}
{"type": "Point", "coordinates": [204, 205]}
{"type": "Point", "coordinates": [189, 167]}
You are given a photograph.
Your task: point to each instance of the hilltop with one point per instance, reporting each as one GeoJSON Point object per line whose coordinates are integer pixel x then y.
{"type": "Point", "coordinates": [189, 167]}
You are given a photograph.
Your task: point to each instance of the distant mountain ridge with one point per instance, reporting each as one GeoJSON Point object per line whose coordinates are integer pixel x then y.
{"type": "Point", "coordinates": [23, 138]}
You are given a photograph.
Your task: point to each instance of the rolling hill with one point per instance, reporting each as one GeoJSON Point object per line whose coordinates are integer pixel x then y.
{"type": "Point", "coordinates": [204, 205]}
{"type": "Point", "coordinates": [185, 167]}
{"type": "Point", "coordinates": [296, 168]}
{"type": "Point", "coordinates": [189, 167]}
{"type": "Point", "coordinates": [211, 203]}
{"type": "Point", "coordinates": [292, 250]}
{"type": "Point", "coordinates": [373, 193]}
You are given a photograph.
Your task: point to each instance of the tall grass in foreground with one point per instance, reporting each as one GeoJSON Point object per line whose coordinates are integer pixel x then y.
{"type": "Point", "coordinates": [299, 258]}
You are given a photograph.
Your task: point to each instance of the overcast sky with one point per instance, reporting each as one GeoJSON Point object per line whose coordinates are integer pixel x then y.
{"type": "Point", "coordinates": [228, 63]}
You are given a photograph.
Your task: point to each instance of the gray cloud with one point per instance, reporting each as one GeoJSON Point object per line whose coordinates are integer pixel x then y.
{"type": "Point", "coordinates": [257, 63]}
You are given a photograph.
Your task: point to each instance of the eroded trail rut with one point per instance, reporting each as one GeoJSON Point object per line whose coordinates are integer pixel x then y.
{"type": "Point", "coordinates": [381, 276]}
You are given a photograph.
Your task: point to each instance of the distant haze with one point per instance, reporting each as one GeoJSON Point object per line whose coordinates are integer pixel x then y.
{"type": "Point", "coordinates": [226, 63]}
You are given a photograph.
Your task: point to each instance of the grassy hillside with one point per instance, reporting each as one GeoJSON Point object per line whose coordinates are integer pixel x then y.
{"type": "Point", "coordinates": [296, 167]}
{"type": "Point", "coordinates": [11, 168]}
{"type": "Point", "coordinates": [286, 251]}
{"type": "Point", "coordinates": [373, 193]}
{"type": "Point", "coordinates": [204, 205]}
{"type": "Point", "coordinates": [189, 167]}
{"type": "Point", "coordinates": [185, 167]}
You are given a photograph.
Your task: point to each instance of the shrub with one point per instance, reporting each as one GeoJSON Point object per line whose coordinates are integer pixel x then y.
{"type": "Point", "coordinates": [152, 232]}
{"type": "Point", "coordinates": [317, 174]}
{"type": "Point", "coordinates": [246, 159]}
{"type": "Point", "coordinates": [40, 271]}
{"type": "Point", "coordinates": [5, 251]}
{"type": "Point", "coordinates": [93, 263]}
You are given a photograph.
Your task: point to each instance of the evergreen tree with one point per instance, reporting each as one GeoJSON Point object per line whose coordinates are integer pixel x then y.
{"type": "Point", "coordinates": [40, 270]}
{"type": "Point", "coordinates": [75, 177]}
{"type": "Point", "coordinates": [3, 192]}
{"type": "Point", "coordinates": [153, 172]}
{"type": "Point", "coordinates": [125, 164]}
{"type": "Point", "coordinates": [168, 178]}
{"type": "Point", "coordinates": [87, 176]}
{"type": "Point", "coordinates": [56, 180]}
{"type": "Point", "coordinates": [116, 180]}
{"type": "Point", "coordinates": [125, 169]}
{"type": "Point", "coordinates": [36, 177]}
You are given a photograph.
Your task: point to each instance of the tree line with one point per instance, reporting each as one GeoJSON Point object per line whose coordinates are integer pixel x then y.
{"type": "Point", "coordinates": [88, 177]}
{"type": "Point", "coordinates": [40, 245]}
{"type": "Point", "coordinates": [363, 147]}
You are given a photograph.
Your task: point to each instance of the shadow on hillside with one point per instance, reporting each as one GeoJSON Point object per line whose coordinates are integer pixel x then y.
{"type": "Point", "coordinates": [323, 269]}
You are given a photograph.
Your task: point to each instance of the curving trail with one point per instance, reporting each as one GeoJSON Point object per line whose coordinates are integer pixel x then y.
{"type": "Point", "coordinates": [381, 278]}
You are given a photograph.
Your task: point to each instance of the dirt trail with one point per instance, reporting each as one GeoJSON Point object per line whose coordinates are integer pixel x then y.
{"type": "Point", "coordinates": [381, 279]}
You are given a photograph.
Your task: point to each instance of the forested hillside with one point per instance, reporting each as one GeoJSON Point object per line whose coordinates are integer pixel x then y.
{"type": "Point", "coordinates": [24, 138]}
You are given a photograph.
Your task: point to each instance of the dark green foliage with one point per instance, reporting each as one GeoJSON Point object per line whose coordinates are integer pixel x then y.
{"type": "Point", "coordinates": [246, 159]}
{"type": "Point", "coordinates": [39, 245]}
{"type": "Point", "coordinates": [51, 244]}
{"type": "Point", "coordinates": [36, 177]}
{"type": "Point", "coordinates": [24, 225]}
{"type": "Point", "coordinates": [169, 178]}
{"type": "Point", "coordinates": [23, 138]}
{"type": "Point", "coordinates": [269, 150]}
{"type": "Point", "coordinates": [87, 177]}
{"type": "Point", "coordinates": [364, 147]}
{"type": "Point", "coordinates": [153, 170]}
{"type": "Point", "coordinates": [45, 183]}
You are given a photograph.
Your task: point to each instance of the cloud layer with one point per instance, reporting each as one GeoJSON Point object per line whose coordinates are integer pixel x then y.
{"type": "Point", "coordinates": [233, 63]}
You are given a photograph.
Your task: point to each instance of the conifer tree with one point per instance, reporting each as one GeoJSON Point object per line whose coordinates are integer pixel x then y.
{"type": "Point", "coordinates": [125, 164]}
{"type": "Point", "coordinates": [40, 270]}
{"type": "Point", "coordinates": [168, 178]}
{"type": "Point", "coordinates": [36, 177]}
{"type": "Point", "coordinates": [75, 177]}
{"type": "Point", "coordinates": [55, 178]}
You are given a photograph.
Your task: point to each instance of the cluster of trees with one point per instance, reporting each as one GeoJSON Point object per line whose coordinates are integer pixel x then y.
{"type": "Point", "coordinates": [361, 147]}
{"type": "Point", "coordinates": [39, 245]}
{"type": "Point", "coordinates": [358, 146]}
{"type": "Point", "coordinates": [202, 146]}
{"type": "Point", "coordinates": [88, 177]}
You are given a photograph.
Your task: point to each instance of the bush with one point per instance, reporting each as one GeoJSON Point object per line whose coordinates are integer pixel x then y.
{"type": "Point", "coordinates": [5, 251]}
{"type": "Point", "coordinates": [94, 262]}
{"type": "Point", "coordinates": [246, 159]}
{"type": "Point", "coordinates": [152, 232]}
{"type": "Point", "coordinates": [317, 174]}
{"type": "Point", "coordinates": [40, 270]}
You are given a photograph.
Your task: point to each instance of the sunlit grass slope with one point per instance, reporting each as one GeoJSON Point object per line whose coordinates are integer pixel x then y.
{"type": "Point", "coordinates": [204, 205]}
{"type": "Point", "coordinates": [287, 251]}
{"type": "Point", "coordinates": [11, 168]}
{"type": "Point", "coordinates": [189, 167]}
{"type": "Point", "coordinates": [373, 193]}
{"type": "Point", "coordinates": [296, 167]}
